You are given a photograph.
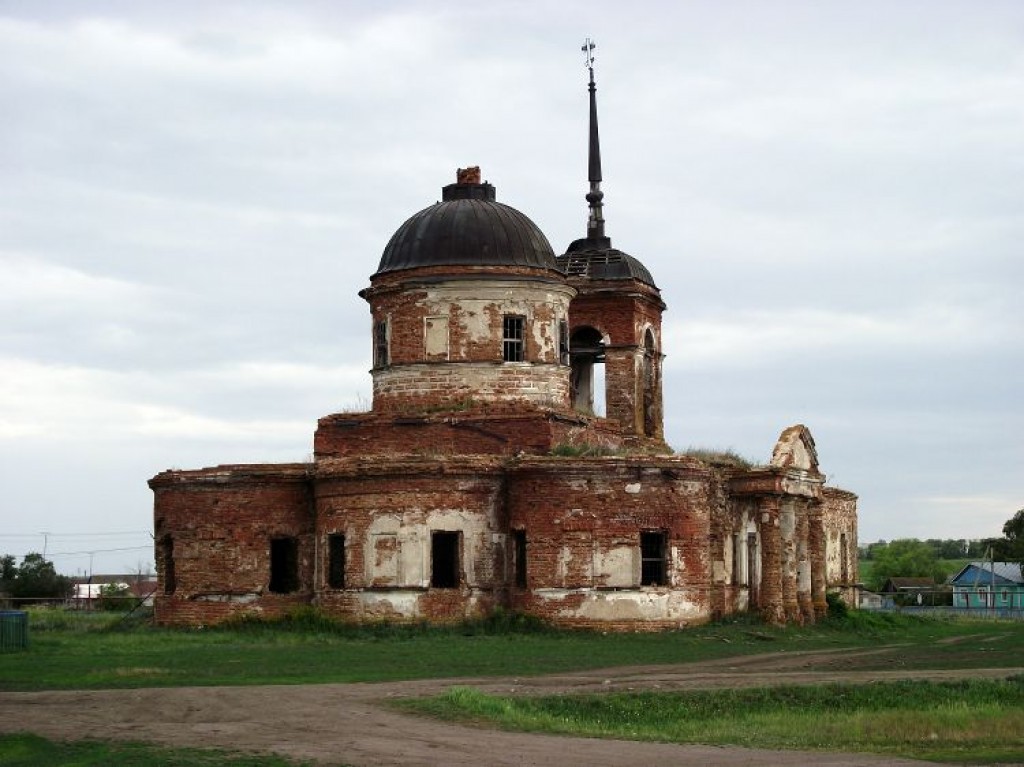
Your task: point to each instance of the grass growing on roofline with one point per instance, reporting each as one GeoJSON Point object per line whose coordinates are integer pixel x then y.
{"type": "Point", "coordinates": [68, 651]}
{"type": "Point", "coordinates": [975, 721]}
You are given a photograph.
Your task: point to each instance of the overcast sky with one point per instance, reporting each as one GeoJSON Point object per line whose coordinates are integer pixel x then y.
{"type": "Point", "coordinates": [829, 196]}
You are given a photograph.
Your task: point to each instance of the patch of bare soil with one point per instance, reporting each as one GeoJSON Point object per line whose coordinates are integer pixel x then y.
{"type": "Point", "coordinates": [347, 723]}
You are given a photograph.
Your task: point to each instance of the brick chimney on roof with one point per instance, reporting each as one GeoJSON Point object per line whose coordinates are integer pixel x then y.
{"type": "Point", "coordinates": [468, 175]}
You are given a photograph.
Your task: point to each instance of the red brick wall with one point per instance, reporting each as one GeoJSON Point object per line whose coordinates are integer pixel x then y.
{"type": "Point", "coordinates": [471, 432]}
{"type": "Point", "coordinates": [221, 522]}
{"type": "Point", "coordinates": [388, 512]}
{"type": "Point", "coordinates": [622, 311]}
{"type": "Point", "coordinates": [583, 520]}
{"type": "Point", "coordinates": [428, 386]}
{"type": "Point", "coordinates": [839, 519]}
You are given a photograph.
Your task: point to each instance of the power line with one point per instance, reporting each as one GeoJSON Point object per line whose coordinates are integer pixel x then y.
{"type": "Point", "coordinates": [99, 551]}
{"type": "Point", "coordinates": [76, 535]}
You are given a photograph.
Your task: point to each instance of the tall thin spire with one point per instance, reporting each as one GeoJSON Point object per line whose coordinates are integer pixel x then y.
{"type": "Point", "coordinates": [595, 220]}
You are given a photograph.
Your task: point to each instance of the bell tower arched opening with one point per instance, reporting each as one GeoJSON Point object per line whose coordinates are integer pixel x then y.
{"type": "Point", "coordinates": [649, 383]}
{"type": "Point", "coordinates": [587, 356]}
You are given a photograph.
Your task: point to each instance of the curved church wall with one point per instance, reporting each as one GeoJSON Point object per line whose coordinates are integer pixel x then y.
{"type": "Point", "coordinates": [422, 538]}
{"type": "Point", "coordinates": [446, 341]}
{"type": "Point", "coordinates": [613, 542]}
{"type": "Point", "coordinates": [232, 539]}
{"type": "Point", "coordinates": [839, 514]}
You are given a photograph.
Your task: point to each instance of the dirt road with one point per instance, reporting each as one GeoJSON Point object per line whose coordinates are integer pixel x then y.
{"type": "Point", "coordinates": [346, 723]}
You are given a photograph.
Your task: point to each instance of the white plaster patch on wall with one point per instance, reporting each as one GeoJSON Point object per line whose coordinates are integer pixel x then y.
{"type": "Point", "coordinates": [633, 488]}
{"type": "Point", "coordinates": [635, 605]}
{"type": "Point", "coordinates": [806, 486]}
{"type": "Point", "coordinates": [718, 571]}
{"type": "Point", "coordinates": [435, 337]}
{"type": "Point", "coordinates": [564, 561]}
{"type": "Point", "coordinates": [617, 566]}
{"type": "Point", "coordinates": [477, 303]}
{"type": "Point", "coordinates": [382, 559]}
{"type": "Point", "coordinates": [403, 603]}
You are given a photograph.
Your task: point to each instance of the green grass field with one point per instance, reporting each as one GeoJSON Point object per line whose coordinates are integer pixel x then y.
{"type": "Point", "coordinates": [981, 723]}
{"type": "Point", "coordinates": [33, 751]}
{"type": "Point", "coordinates": [977, 721]}
{"type": "Point", "coordinates": [103, 653]}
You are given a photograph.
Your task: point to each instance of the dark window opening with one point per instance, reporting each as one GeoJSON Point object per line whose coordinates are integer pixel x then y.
{"type": "Point", "coordinates": [653, 567]}
{"type": "Point", "coordinates": [167, 555]}
{"type": "Point", "coordinates": [737, 560]}
{"type": "Point", "coordinates": [563, 342]}
{"type": "Point", "coordinates": [844, 563]}
{"type": "Point", "coordinates": [586, 352]}
{"type": "Point", "coordinates": [512, 341]}
{"type": "Point", "coordinates": [444, 560]}
{"type": "Point", "coordinates": [380, 344]}
{"type": "Point", "coordinates": [752, 568]}
{"type": "Point", "coordinates": [284, 565]}
{"type": "Point", "coordinates": [650, 385]}
{"type": "Point", "coordinates": [519, 557]}
{"type": "Point", "coordinates": [336, 561]}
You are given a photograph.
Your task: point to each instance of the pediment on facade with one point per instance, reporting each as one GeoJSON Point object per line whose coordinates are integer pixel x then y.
{"type": "Point", "coordinates": [795, 450]}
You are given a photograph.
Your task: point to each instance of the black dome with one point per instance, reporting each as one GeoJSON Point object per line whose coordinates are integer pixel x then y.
{"type": "Point", "coordinates": [467, 228]}
{"type": "Point", "coordinates": [596, 259]}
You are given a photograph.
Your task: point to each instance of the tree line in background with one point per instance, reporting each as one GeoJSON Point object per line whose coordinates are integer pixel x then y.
{"type": "Point", "coordinates": [35, 578]}
{"type": "Point", "coordinates": [938, 558]}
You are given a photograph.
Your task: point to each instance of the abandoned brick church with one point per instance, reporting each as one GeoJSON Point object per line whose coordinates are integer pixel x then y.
{"type": "Point", "coordinates": [482, 477]}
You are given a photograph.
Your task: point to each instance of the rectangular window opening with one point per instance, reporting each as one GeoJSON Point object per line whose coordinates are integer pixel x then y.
{"type": "Point", "coordinates": [519, 557]}
{"type": "Point", "coordinates": [563, 342]}
{"type": "Point", "coordinates": [512, 341]}
{"type": "Point", "coordinates": [844, 564]}
{"type": "Point", "coordinates": [167, 555]}
{"type": "Point", "coordinates": [737, 560]}
{"type": "Point", "coordinates": [380, 344]}
{"type": "Point", "coordinates": [653, 556]}
{"type": "Point", "coordinates": [336, 561]}
{"type": "Point", "coordinates": [444, 559]}
{"type": "Point", "coordinates": [284, 565]}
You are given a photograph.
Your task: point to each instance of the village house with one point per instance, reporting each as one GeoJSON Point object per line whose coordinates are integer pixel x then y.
{"type": "Point", "coordinates": [992, 585]}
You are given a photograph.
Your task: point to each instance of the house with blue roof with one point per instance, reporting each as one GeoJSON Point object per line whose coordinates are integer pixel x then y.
{"type": "Point", "coordinates": [998, 585]}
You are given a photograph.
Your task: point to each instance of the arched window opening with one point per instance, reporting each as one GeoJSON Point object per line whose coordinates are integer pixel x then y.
{"type": "Point", "coordinates": [167, 560]}
{"type": "Point", "coordinates": [650, 385]}
{"type": "Point", "coordinates": [587, 355]}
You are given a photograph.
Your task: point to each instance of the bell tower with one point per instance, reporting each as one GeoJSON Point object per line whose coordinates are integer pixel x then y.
{"type": "Point", "coordinates": [615, 318]}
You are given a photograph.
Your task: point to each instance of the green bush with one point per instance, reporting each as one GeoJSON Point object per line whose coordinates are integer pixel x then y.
{"type": "Point", "coordinates": [115, 597]}
{"type": "Point", "coordinates": [836, 605]}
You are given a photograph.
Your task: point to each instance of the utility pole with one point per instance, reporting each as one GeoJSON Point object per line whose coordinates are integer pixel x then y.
{"type": "Point", "coordinates": [992, 588]}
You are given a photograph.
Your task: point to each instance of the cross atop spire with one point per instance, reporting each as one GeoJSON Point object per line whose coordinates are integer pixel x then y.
{"type": "Point", "coordinates": [588, 53]}
{"type": "Point", "coordinates": [595, 220]}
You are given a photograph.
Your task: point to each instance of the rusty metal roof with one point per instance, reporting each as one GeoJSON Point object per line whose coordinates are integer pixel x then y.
{"type": "Point", "coordinates": [467, 228]}
{"type": "Point", "coordinates": [595, 259]}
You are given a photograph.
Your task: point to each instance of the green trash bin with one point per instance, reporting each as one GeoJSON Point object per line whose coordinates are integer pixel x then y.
{"type": "Point", "coordinates": [13, 630]}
